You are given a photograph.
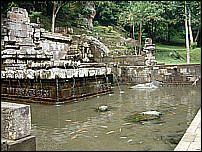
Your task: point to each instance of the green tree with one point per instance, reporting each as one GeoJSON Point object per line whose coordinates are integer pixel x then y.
{"type": "Point", "coordinates": [137, 14]}
{"type": "Point", "coordinates": [56, 7]}
{"type": "Point", "coordinates": [107, 12]}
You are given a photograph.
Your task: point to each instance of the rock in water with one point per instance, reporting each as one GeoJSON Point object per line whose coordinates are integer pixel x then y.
{"type": "Point", "coordinates": [144, 86]}
{"type": "Point", "coordinates": [156, 113]}
{"type": "Point", "coordinates": [143, 116]}
{"type": "Point", "coordinates": [157, 83]}
{"type": "Point", "coordinates": [103, 108]}
{"type": "Point", "coordinates": [151, 85]}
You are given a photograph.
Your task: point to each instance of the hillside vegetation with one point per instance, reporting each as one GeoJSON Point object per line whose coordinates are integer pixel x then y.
{"type": "Point", "coordinates": [163, 21]}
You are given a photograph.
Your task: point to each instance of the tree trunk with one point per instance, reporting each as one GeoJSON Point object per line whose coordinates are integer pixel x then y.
{"type": "Point", "coordinates": [140, 38]}
{"type": "Point", "coordinates": [148, 29]}
{"type": "Point", "coordinates": [55, 11]}
{"type": "Point", "coordinates": [53, 17]}
{"type": "Point", "coordinates": [154, 37]}
{"type": "Point", "coordinates": [53, 24]}
{"type": "Point", "coordinates": [197, 34]}
{"type": "Point", "coordinates": [187, 35]}
{"type": "Point", "coordinates": [190, 31]}
{"type": "Point", "coordinates": [133, 36]}
{"type": "Point", "coordinates": [168, 32]}
{"type": "Point", "coordinates": [152, 30]}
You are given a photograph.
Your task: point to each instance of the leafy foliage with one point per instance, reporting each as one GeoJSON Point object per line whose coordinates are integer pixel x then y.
{"type": "Point", "coordinates": [163, 21]}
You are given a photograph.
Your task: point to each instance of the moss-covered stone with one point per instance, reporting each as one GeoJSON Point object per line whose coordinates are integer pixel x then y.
{"type": "Point", "coordinates": [137, 117]}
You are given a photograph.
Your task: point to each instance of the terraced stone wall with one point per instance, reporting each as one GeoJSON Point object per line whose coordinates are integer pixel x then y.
{"type": "Point", "coordinates": [41, 66]}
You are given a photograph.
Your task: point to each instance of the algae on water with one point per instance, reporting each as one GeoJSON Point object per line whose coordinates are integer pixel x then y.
{"type": "Point", "coordinates": [138, 117]}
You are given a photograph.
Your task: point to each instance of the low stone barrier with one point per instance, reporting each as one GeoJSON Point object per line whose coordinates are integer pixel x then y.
{"type": "Point", "coordinates": [168, 74]}
{"type": "Point", "coordinates": [15, 128]}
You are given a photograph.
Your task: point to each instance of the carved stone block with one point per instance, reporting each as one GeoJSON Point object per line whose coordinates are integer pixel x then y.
{"type": "Point", "coordinates": [15, 120]}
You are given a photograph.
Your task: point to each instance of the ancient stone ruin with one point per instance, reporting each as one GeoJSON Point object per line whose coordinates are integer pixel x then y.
{"type": "Point", "coordinates": [16, 128]}
{"type": "Point", "coordinates": [39, 66]}
{"type": "Point", "coordinates": [149, 50]}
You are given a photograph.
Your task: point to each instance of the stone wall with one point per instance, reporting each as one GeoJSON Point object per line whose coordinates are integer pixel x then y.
{"type": "Point", "coordinates": [30, 52]}
{"type": "Point", "coordinates": [168, 74]}
{"type": "Point", "coordinates": [15, 127]}
{"type": "Point", "coordinates": [38, 65]}
{"type": "Point", "coordinates": [55, 91]}
{"type": "Point", "coordinates": [133, 60]}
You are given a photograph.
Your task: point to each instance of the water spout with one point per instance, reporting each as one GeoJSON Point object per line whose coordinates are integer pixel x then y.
{"type": "Point", "coordinates": [57, 89]}
{"type": "Point", "coordinates": [117, 84]}
{"type": "Point", "coordinates": [74, 83]}
{"type": "Point", "coordinates": [40, 84]}
{"type": "Point", "coordinates": [19, 83]}
{"type": "Point", "coordinates": [9, 85]}
{"type": "Point", "coordinates": [96, 85]}
{"type": "Point", "coordinates": [107, 81]}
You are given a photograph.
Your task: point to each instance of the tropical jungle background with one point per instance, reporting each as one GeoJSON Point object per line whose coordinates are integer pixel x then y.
{"type": "Point", "coordinates": [174, 26]}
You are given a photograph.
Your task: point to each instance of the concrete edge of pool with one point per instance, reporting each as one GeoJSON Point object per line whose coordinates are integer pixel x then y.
{"type": "Point", "coordinates": [191, 141]}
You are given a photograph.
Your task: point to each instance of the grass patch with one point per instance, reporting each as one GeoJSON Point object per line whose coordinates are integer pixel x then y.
{"type": "Point", "coordinates": [168, 47]}
{"type": "Point", "coordinates": [179, 54]}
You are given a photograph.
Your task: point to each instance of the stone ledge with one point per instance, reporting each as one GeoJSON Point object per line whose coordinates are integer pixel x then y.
{"type": "Point", "coordinates": [191, 141]}
{"type": "Point", "coordinates": [24, 144]}
{"type": "Point", "coordinates": [188, 137]}
{"type": "Point", "coordinates": [182, 146]}
{"type": "Point", "coordinates": [194, 146]}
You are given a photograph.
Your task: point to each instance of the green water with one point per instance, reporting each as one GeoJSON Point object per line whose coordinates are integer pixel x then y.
{"type": "Point", "coordinates": [55, 126]}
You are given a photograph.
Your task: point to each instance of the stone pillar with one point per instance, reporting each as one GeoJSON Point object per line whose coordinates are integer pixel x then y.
{"type": "Point", "coordinates": [90, 6]}
{"type": "Point", "coordinates": [149, 50]}
{"type": "Point", "coordinates": [15, 127]}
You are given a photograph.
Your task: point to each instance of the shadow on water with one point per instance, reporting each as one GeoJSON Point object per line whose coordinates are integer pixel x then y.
{"type": "Point", "coordinates": [78, 126]}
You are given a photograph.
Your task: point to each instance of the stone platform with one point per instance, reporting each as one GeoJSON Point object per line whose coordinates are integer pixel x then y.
{"type": "Point", "coordinates": [25, 144]}
{"type": "Point", "coordinates": [191, 141]}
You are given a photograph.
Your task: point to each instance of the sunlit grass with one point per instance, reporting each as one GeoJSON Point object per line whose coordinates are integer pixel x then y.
{"type": "Point", "coordinates": [163, 51]}
{"type": "Point", "coordinates": [169, 47]}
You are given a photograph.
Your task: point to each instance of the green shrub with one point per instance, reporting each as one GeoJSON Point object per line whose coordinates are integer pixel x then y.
{"type": "Point", "coordinates": [10, 5]}
{"type": "Point", "coordinates": [95, 23]}
{"type": "Point", "coordinates": [110, 28]}
{"type": "Point", "coordinates": [194, 45]}
{"type": "Point", "coordinates": [105, 29]}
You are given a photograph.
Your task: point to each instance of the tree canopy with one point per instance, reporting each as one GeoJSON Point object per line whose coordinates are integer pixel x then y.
{"type": "Point", "coordinates": [163, 21]}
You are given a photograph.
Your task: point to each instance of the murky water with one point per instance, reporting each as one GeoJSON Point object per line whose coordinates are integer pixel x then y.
{"type": "Point", "coordinates": [55, 126]}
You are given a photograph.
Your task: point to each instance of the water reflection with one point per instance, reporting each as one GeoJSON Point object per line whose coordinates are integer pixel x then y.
{"type": "Point", "coordinates": [78, 126]}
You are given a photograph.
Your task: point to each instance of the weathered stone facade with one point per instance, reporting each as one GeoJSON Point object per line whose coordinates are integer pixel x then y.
{"type": "Point", "coordinates": [36, 63]}
{"type": "Point", "coordinates": [15, 120]}
{"type": "Point", "coordinates": [29, 51]}
{"type": "Point", "coordinates": [125, 60]}
{"type": "Point", "coordinates": [15, 128]}
{"type": "Point", "coordinates": [148, 51]}
{"type": "Point", "coordinates": [27, 143]}
{"type": "Point", "coordinates": [38, 66]}
{"type": "Point", "coordinates": [168, 74]}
